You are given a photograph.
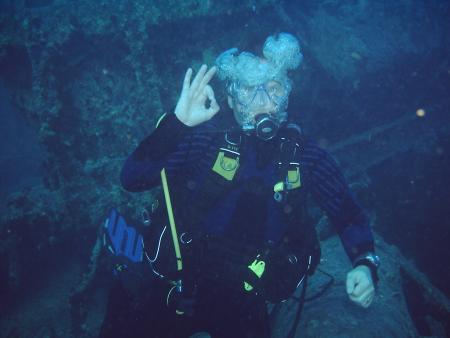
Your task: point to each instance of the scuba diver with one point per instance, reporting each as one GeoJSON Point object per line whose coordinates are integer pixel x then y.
{"type": "Point", "coordinates": [229, 231]}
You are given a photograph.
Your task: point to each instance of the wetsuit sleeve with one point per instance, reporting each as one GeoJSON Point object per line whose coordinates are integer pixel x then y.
{"type": "Point", "coordinates": [142, 168]}
{"type": "Point", "coordinates": [331, 192]}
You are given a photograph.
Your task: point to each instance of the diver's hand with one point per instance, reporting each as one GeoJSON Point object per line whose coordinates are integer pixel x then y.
{"type": "Point", "coordinates": [360, 288]}
{"type": "Point", "coordinates": [192, 107]}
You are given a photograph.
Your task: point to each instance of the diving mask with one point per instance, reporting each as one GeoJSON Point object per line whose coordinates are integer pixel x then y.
{"type": "Point", "coordinates": [260, 108]}
{"type": "Point", "coordinates": [275, 91]}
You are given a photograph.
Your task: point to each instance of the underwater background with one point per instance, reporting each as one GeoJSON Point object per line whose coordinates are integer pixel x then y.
{"type": "Point", "coordinates": [82, 82]}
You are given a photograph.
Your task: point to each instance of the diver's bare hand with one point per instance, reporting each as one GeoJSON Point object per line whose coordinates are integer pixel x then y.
{"type": "Point", "coordinates": [360, 287]}
{"type": "Point", "coordinates": [191, 108]}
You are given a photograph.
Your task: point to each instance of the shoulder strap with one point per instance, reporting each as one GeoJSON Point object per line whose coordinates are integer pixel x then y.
{"type": "Point", "coordinates": [218, 181]}
{"type": "Point", "coordinates": [227, 161]}
{"type": "Point", "coordinates": [301, 232]}
{"type": "Point", "coordinates": [291, 142]}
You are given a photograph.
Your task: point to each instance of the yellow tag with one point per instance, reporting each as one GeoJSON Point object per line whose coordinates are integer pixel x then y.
{"type": "Point", "coordinates": [247, 287]}
{"type": "Point", "coordinates": [278, 187]}
{"type": "Point", "coordinates": [293, 179]}
{"type": "Point", "coordinates": [258, 268]}
{"type": "Point", "coordinates": [226, 166]}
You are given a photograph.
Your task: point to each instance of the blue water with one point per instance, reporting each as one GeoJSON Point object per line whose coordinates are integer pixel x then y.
{"type": "Point", "coordinates": [21, 155]}
{"type": "Point", "coordinates": [81, 83]}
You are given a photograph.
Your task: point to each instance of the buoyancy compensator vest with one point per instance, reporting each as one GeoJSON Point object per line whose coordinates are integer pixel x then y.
{"type": "Point", "coordinates": [271, 270]}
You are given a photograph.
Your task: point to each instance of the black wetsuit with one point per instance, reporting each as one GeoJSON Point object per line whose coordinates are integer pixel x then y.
{"type": "Point", "coordinates": [188, 155]}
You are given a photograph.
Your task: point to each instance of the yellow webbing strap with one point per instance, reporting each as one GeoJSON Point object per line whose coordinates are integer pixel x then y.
{"type": "Point", "coordinates": [160, 119]}
{"type": "Point", "coordinates": [173, 228]}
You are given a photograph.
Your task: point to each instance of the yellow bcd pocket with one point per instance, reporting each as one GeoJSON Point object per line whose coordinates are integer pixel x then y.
{"type": "Point", "coordinates": [226, 166]}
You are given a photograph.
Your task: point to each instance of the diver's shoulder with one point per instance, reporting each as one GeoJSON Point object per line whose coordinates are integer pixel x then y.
{"type": "Point", "coordinates": [212, 124]}
{"type": "Point", "coordinates": [312, 149]}
{"type": "Point", "coordinates": [209, 131]}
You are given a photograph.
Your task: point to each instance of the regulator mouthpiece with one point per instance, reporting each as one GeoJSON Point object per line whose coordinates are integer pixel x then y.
{"type": "Point", "coordinates": [266, 127]}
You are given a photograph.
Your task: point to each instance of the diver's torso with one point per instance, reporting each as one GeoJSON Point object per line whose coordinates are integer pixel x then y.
{"type": "Point", "coordinates": [247, 211]}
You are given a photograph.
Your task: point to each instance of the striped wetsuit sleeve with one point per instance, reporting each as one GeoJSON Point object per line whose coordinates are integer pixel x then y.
{"type": "Point", "coordinates": [331, 192]}
{"type": "Point", "coordinates": [171, 146]}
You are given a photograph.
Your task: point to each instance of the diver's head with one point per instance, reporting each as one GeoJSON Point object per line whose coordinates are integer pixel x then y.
{"type": "Point", "coordinates": [258, 87]}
